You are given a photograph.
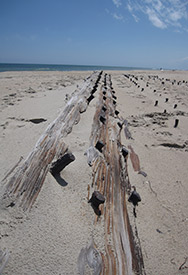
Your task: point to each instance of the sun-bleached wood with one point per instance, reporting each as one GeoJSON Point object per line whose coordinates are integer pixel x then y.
{"type": "Point", "coordinates": [26, 183]}
{"type": "Point", "coordinates": [110, 178]}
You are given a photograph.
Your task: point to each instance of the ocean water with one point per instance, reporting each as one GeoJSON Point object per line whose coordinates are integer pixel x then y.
{"type": "Point", "coordinates": [5, 67]}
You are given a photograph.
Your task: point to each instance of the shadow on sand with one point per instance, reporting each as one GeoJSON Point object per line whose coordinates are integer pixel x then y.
{"type": "Point", "coordinates": [59, 179]}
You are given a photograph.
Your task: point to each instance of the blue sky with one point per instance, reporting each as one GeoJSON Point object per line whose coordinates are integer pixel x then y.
{"type": "Point", "coordinates": [145, 33]}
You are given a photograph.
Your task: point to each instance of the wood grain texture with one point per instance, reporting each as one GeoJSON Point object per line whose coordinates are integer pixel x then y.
{"type": "Point", "coordinates": [25, 185]}
{"type": "Point", "coordinates": [110, 177]}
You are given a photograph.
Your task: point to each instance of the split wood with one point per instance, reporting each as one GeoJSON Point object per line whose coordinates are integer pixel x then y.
{"type": "Point", "coordinates": [26, 183]}
{"type": "Point", "coordinates": [110, 178]}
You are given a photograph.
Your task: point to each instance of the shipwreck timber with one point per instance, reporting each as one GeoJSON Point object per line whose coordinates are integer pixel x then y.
{"type": "Point", "coordinates": [108, 160]}
{"type": "Point", "coordinates": [25, 185]}
{"type": "Point", "coordinates": [109, 168]}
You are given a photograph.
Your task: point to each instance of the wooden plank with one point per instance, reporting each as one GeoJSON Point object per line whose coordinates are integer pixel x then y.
{"type": "Point", "coordinates": [111, 178]}
{"type": "Point", "coordinates": [26, 183]}
{"type": "Point", "coordinates": [134, 159]}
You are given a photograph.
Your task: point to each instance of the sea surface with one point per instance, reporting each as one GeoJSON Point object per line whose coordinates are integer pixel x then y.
{"type": "Point", "coordinates": [5, 67]}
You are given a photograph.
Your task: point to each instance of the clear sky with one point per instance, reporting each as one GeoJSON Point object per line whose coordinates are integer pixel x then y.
{"type": "Point", "coordinates": [144, 33]}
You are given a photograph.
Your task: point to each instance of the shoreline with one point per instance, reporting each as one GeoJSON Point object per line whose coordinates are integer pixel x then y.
{"type": "Point", "coordinates": [63, 67]}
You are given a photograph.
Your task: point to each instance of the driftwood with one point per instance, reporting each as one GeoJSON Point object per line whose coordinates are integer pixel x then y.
{"type": "Point", "coordinates": [26, 183]}
{"type": "Point", "coordinates": [134, 159]}
{"type": "Point", "coordinates": [110, 178]}
{"type": "Point", "coordinates": [126, 130]}
{"type": "Point", "coordinates": [92, 154]}
{"type": "Point", "coordinates": [4, 255]}
{"type": "Point", "coordinates": [13, 168]}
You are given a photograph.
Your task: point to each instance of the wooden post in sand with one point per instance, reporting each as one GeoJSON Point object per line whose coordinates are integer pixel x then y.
{"type": "Point", "coordinates": [176, 123]}
{"type": "Point", "coordinates": [61, 163]}
{"type": "Point", "coordinates": [175, 106]}
{"type": "Point", "coordinates": [96, 199]}
{"type": "Point", "coordinates": [26, 183]}
{"type": "Point", "coordinates": [156, 103]}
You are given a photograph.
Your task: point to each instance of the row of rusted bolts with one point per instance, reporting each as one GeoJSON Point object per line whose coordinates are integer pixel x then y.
{"type": "Point", "coordinates": [111, 184]}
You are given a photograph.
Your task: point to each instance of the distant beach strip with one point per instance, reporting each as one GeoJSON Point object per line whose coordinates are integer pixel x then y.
{"type": "Point", "coordinates": [5, 67]}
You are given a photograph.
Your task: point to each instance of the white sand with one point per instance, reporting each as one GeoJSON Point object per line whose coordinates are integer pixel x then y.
{"type": "Point", "coordinates": [48, 239]}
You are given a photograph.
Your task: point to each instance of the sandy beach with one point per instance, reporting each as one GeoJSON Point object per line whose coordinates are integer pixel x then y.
{"type": "Point", "coordinates": [48, 238]}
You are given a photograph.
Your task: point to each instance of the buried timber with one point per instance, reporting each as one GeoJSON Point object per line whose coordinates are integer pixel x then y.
{"type": "Point", "coordinates": [109, 170]}
{"type": "Point", "coordinates": [121, 251]}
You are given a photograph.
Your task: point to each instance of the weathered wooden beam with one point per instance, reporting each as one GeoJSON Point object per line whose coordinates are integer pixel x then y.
{"type": "Point", "coordinates": [126, 130]}
{"type": "Point", "coordinates": [26, 183]}
{"type": "Point", "coordinates": [134, 159]}
{"type": "Point", "coordinates": [110, 178]}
